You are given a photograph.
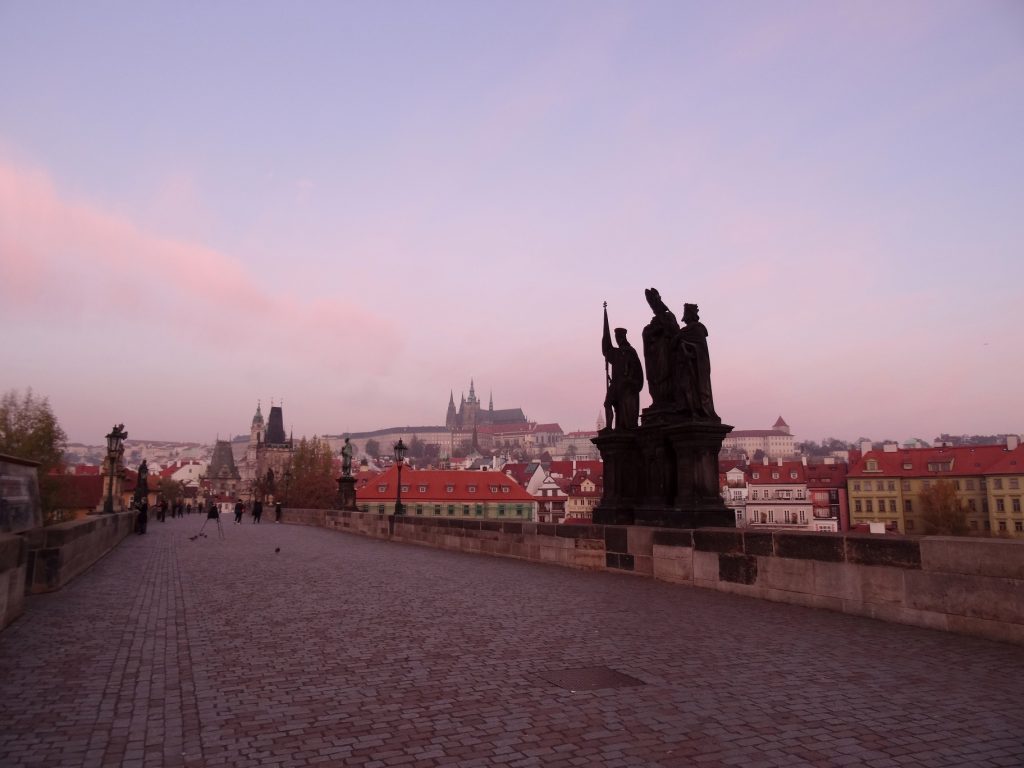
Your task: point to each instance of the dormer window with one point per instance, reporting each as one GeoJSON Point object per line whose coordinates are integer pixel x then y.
{"type": "Point", "coordinates": [494, 489]}
{"type": "Point", "coordinates": [792, 475]}
{"type": "Point", "coordinates": [405, 489]}
{"type": "Point", "coordinates": [775, 475]}
{"type": "Point", "coordinates": [756, 476]}
{"type": "Point", "coordinates": [421, 488]}
{"type": "Point", "coordinates": [505, 489]}
{"type": "Point", "coordinates": [471, 489]}
{"type": "Point", "coordinates": [872, 466]}
{"type": "Point", "coordinates": [449, 489]}
{"type": "Point", "coordinates": [907, 465]}
{"type": "Point", "coordinates": [382, 488]}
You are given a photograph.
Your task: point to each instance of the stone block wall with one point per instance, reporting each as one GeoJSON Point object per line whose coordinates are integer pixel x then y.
{"type": "Point", "coordinates": [969, 586]}
{"type": "Point", "coordinates": [13, 557]}
{"type": "Point", "coordinates": [59, 553]}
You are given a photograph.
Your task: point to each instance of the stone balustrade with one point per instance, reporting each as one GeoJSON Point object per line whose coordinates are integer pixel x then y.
{"type": "Point", "coordinates": [58, 553]}
{"type": "Point", "coordinates": [957, 584]}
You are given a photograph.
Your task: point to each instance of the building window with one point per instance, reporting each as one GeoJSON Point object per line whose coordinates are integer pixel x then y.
{"type": "Point", "coordinates": [869, 506]}
{"type": "Point", "coordinates": [892, 505]}
{"type": "Point", "coordinates": [465, 509]}
{"type": "Point", "coordinates": [890, 485]}
{"type": "Point", "coordinates": [451, 509]}
{"type": "Point", "coordinates": [1002, 525]}
{"type": "Point", "coordinates": [501, 510]}
{"type": "Point", "coordinates": [519, 510]}
{"type": "Point", "coordinates": [907, 506]}
{"type": "Point", "coordinates": [1016, 504]}
{"type": "Point", "coordinates": [856, 505]}
{"type": "Point", "coordinates": [872, 466]}
{"type": "Point", "coordinates": [449, 489]}
{"type": "Point", "coordinates": [419, 509]}
{"type": "Point", "coordinates": [997, 483]}
{"type": "Point", "coordinates": [494, 488]}
{"type": "Point", "coordinates": [1000, 505]}
{"type": "Point", "coordinates": [1014, 483]}
{"type": "Point", "coordinates": [381, 488]}
{"type": "Point", "coordinates": [775, 475]}
{"type": "Point", "coordinates": [471, 489]}
{"type": "Point", "coordinates": [380, 509]}
{"type": "Point", "coordinates": [905, 485]}
{"type": "Point", "coordinates": [792, 475]}
{"type": "Point", "coordinates": [366, 508]}
{"type": "Point", "coordinates": [971, 505]}
{"type": "Point", "coordinates": [970, 484]}
{"type": "Point", "coordinates": [479, 510]}
{"type": "Point", "coordinates": [907, 465]}
{"type": "Point", "coordinates": [856, 486]}
{"type": "Point", "coordinates": [405, 489]}
{"type": "Point", "coordinates": [422, 488]}
{"type": "Point", "coordinates": [803, 516]}
{"type": "Point", "coordinates": [956, 484]}
{"type": "Point", "coordinates": [437, 509]}
{"type": "Point", "coordinates": [756, 476]}
{"type": "Point", "coordinates": [505, 489]}
{"type": "Point", "coordinates": [1018, 526]}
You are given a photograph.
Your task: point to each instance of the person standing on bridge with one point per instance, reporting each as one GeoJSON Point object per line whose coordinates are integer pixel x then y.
{"type": "Point", "coordinates": [238, 511]}
{"type": "Point", "coordinates": [257, 511]}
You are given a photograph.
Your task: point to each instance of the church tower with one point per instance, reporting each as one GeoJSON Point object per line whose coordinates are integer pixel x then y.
{"type": "Point", "coordinates": [471, 416]}
{"type": "Point", "coordinates": [451, 421]}
{"type": "Point", "coordinates": [256, 430]}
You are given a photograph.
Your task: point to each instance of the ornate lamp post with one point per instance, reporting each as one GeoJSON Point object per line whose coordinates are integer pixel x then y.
{"type": "Point", "coordinates": [400, 449]}
{"type": "Point", "coordinates": [287, 484]}
{"type": "Point", "coordinates": [114, 441]}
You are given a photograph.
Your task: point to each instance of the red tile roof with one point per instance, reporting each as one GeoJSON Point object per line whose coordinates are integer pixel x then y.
{"type": "Point", "coordinates": [432, 485]}
{"type": "Point", "coordinates": [764, 473]}
{"type": "Point", "coordinates": [78, 491]}
{"type": "Point", "coordinates": [565, 468]}
{"type": "Point", "coordinates": [826, 475]}
{"type": "Point", "coordinates": [925, 462]}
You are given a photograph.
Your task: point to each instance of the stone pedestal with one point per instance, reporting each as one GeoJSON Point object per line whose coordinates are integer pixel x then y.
{"type": "Point", "coordinates": [664, 473]}
{"type": "Point", "coordinates": [346, 492]}
{"type": "Point", "coordinates": [622, 482]}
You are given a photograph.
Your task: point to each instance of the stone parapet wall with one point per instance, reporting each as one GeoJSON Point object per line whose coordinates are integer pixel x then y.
{"type": "Point", "coordinates": [13, 557]}
{"type": "Point", "coordinates": [59, 553]}
{"type": "Point", "coordinates": [969, 586]}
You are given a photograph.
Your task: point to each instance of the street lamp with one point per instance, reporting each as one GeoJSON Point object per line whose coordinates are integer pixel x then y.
{"type": "Point", "coordinates": [287, 484]}
{"type": "Point", "coordinates": [399, 456]}
{"type": "Point", "coordinates": [114, 440]}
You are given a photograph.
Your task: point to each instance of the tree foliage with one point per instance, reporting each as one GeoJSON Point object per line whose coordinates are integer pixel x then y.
{"type": "Point", "coordinates": [942, 512]}
{"type": "Point", "coordinates": [312, 476]}
{"type": "Point", "coordinates": [29, 430]}
{"type": "Point", "coordinates": [172, 490]}
{"type": "Point", "coordinates": [372, 448]}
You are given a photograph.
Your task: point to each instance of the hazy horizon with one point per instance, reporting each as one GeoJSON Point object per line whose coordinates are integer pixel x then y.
{"type": "Point", "coordinates": [357, 208]}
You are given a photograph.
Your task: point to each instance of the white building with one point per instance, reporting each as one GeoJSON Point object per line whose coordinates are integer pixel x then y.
{"type": "Point", "coordinates": [775, 443]}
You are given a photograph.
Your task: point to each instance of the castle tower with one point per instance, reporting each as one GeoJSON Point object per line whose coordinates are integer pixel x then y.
{"type": "Point", "coordinates": [222, 472]}
{"type": "Point", "coordinates": [275, 427]}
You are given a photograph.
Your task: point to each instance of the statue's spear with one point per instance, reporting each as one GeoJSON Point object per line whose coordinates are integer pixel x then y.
{"type": "Point", "coordinates": [607, 341]}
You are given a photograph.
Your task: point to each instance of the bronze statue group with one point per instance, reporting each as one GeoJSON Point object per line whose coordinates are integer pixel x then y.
{"type": "Point", "coordinates": [677, 363]}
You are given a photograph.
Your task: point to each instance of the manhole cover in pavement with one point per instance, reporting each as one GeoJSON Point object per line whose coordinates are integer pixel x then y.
{"type": "Point", "coordinates": [589, 678]}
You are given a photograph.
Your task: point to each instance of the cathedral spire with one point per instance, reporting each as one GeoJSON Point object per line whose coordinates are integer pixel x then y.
{"type": "Point", "coordinates": [472, 391]}
{"type": "Point", "coordinates": [490, 401]}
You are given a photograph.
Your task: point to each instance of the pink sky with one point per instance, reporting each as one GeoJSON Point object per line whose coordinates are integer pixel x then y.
{"type": "Point", "coordinates": [360, 228]}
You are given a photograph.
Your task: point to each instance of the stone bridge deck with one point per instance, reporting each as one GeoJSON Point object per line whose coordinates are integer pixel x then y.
{"type": "Point", "coordinates": [340, 650]}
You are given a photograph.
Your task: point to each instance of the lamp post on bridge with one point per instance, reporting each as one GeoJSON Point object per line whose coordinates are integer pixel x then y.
{"type": "Point", "coordinates": [400, 449]}
{"type": "Point", "coordinates": [114, 447]}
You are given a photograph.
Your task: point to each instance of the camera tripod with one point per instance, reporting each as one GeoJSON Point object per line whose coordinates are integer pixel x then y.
{"type": "Point", "coordinates": [220, 528]}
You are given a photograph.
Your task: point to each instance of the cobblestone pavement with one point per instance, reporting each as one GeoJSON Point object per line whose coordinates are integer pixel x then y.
{"type": "Point", "coordinates": [341, 650]}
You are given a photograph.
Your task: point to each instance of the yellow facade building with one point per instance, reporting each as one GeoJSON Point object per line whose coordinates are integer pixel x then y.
{"type": "Point", "coordinates": [885, 486]}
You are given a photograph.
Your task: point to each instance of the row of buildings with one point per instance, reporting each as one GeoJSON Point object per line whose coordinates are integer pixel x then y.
{"type": "Point", "coordinates": [881, 490]}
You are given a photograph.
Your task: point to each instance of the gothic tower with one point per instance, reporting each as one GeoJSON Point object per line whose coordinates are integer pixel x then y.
{"type": "Point", "coordinates": [451, 421]}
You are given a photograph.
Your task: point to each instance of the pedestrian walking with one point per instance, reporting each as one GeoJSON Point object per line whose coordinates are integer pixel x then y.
{"type": "Point", "coordinates": [257, 511]}
{"type": "Point", "coordinates": [238, 511]}
{"type": "Point", "coordinates": [277, 512]}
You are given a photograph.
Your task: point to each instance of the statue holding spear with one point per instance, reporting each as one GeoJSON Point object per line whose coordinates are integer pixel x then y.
{"type": "Point", "coordinates": [624, 379]}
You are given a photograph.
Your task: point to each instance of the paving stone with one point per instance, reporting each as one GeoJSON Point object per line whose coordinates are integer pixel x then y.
{"type": "Point", "coordinates": [342, 650]}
